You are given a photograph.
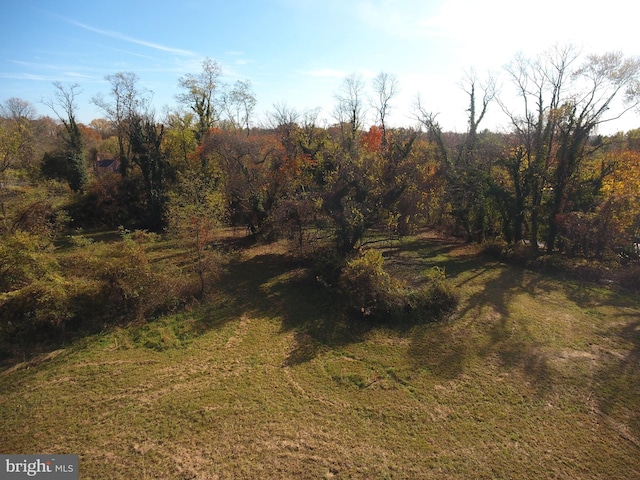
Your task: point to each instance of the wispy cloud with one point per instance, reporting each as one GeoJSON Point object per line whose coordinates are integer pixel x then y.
{"type": "Point", "coordinates": [29, 76]}
{"type": "Point", "coordinates": [127, 38]}
{"type": "Point", "coordinates": [58, 71]}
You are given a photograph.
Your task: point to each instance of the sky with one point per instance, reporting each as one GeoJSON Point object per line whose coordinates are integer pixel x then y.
{"type": "Point", "coordinates": [298, 52]}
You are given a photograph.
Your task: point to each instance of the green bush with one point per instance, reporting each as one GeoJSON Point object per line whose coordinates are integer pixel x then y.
{"type": "Point", "coordinates": [514, 253]}
{"type": "Point", "coordinates": [371, 291]}
{"type": "Point", "coordinates": [39, 301]}
{"type": "Point", "coordinates": [24, 258]}
{"type": "Point", "coordinates": [366, 285]}
{"type": "Point", "coordinates": [38, 309]}
{"type": "Point", "coordinates": [435, 300]}
{"type": "Point", "coordinates": [328, 264]}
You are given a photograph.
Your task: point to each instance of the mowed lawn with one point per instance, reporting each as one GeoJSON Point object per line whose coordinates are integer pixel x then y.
{"type": "Point", "coordinates": [533, 377]}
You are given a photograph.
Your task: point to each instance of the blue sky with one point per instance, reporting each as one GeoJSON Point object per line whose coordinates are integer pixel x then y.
{"type": "Point", "coordinates": [296, 51]}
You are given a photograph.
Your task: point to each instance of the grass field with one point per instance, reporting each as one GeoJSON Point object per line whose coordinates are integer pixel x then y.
{"type": "Point", "coordinates": [533, 377]}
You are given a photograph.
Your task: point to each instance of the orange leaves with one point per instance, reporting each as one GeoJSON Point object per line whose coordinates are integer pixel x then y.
{"type": "Point", "coordinates": [89, 133]}
{"type": "Point", "coordinates": [372, 140]}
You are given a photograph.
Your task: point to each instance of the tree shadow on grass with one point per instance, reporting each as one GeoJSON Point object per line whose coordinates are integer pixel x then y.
{"type": "Point", "coordinates": [483, 329]}
{"type": "Point", "coordinates": [275, 285]}
{"type": "Point", "coordinates": [618, 383]}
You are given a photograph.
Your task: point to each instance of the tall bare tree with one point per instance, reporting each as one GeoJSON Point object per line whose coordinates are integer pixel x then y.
{"type": "Point", "coordinates": [349, 111]}
{"type": "Point", "coordinates": [472, 87]}
{"type": "Point", "coordinates": [16, 132]}
{"type": "Point", "coordinates": [385, 87]}
{"type": "Point", "coordinates": [127, 101]}
{"type": "Point", "coordinates": [239, 103]}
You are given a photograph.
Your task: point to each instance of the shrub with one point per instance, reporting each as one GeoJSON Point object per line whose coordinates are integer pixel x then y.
{"type": "Point", "coordinates": [131, 285]}
{"type": "Point", "coordinates": [328, 264]}
{"type": "Point", "coordinates": [371, 291]}
{"type": "Point", "coordinates": [435, 300]}
{"type": "Point", "coordinates": [36, 310]}
{"type": "Point", "coordinates": [514, 253]}
{"type": "Point", "coordinates": [24, 258]}
{"type": "Point", "coordinates": [42, 299]}
{"type": "Point", "coordinates": [36, 300]}
{"type": "Point", "coordinates": [366, 285]}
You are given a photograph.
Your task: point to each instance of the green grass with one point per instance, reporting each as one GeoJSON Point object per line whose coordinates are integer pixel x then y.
{"type": "Point", "coordinates": [533, 377]}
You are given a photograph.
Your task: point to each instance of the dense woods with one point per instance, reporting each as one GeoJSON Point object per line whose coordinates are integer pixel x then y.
{"type": "Point", "coordinates": [548, 191]}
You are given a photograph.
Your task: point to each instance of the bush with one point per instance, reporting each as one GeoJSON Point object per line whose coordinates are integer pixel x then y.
{"type": "Point", "coordinates": [23, 259]}
{"type": "Point", "coordinates": [514, 253]}
{"type": "Point", "coordinates": [555, 263]}
{"type": "Point", "coordinates": [366, 285]}
{"type": "Point", "coordinates": [371, 291]}
{"type": "Point", "coordinates": [435, 300]}
{"type": "Point", "coordinates": [328, 264]}
{"type": "Point", "coordinates": [42, 299]}
{"type": "Point", "coordinates": [37, 311]}
{"type": "Point", "coordinates": [36, 300]}
{"type": "Point", "coordinates": [131, 285]}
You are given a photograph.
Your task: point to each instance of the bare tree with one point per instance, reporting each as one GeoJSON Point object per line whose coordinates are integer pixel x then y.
{"type": "Point", "coordinates": [284, 120]}
{"type": "Point", "coordinates": [16, 132]}
{"type": "Point", "coordinates": [127, 101]}
{"type": "Point", "coordinates": [562, 105]}
{"type": "Point", "coordinates": [428, 120]}
{"type": "Point", "coordinates": [282, 114]}
{"type": "Point", "coordinates": [470, 85]}
{"type": "Point", "coordinates": [349, 111]}
{"type": "Point", "coordinates": [18, 109]}
{"type": "Point", "coordinates": [539, 84]}
{"type": "Point", "coordinates": [385, 87]}
{"type": "Point", "coordinates": [239, 104]}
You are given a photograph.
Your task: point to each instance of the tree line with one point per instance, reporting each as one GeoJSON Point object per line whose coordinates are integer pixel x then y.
{"type": "Point", "coordinates": [550, 181]}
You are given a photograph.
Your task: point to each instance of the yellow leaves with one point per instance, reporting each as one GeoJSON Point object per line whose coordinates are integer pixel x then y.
{"type": "Point", "coordinates": [625, 180]}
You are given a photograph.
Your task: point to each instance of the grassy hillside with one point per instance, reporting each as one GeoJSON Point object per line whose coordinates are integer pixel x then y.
{"type": "Point", "coordinates": [534, 377]}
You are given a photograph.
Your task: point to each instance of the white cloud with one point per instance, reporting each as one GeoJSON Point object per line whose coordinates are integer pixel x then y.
{"type": "Point", "coordinates": [127, 38]}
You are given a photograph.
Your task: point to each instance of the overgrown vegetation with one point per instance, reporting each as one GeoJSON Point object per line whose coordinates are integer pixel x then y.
{"type": "Point", "coordinates": [287, 252]}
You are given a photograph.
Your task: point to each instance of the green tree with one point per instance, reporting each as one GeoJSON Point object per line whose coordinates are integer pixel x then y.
{"type": "Point", "coordinates": [145, 139]}
{"type": "Point", "coordinates": [180, 140]}
{"type": "Point", "coordinates": [196, 207]}
{"type": "Point", "coordinates": [200, 96]}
